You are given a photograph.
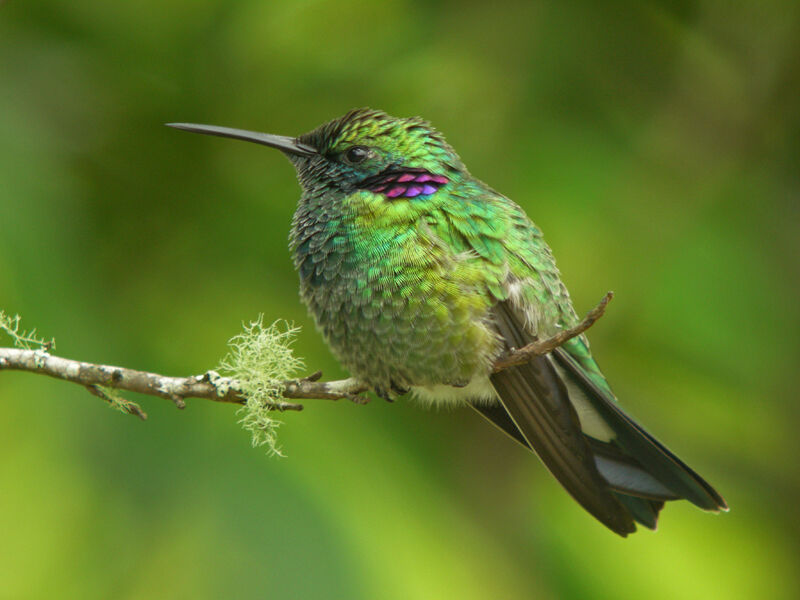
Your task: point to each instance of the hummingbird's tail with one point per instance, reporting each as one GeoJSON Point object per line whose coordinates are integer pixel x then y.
{"type": "Point", "coordinates": [633, 450]}
{"type": "Point", "coordinates": [605, 460]}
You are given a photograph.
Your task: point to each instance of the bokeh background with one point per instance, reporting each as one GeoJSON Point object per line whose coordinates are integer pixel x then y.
{"type": "Point", "coordinates": [656, 143]}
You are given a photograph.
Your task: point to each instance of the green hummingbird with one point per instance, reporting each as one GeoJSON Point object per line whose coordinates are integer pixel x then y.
{"type": "Point", "coordinates": [420, 276]}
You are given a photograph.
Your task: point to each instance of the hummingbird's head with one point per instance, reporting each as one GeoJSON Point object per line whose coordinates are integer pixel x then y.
{"type": "Point", "coordinates": [365, 150]}
{"type": "Point", "coordinates": [370, 150]}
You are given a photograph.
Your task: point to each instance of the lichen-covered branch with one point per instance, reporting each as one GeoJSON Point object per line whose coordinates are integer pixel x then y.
{"type": "Point", "coordinates": [102, 380]}
{"type": "Point", "coordinates": [209, 386]}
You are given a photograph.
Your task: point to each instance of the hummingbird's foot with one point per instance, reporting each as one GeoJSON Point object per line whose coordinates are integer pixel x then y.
{"type": "Point", "coordinates": [399, 389]}
{"type": "Point", "coordinates": [391, 393]}
{"type": "Point", "coordinates": [358, 399]}
{"type": "Point", "coordinates": [382, 392]}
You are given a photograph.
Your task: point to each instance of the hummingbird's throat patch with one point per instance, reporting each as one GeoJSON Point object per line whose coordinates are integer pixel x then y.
{"type": "Point", "coordinates": [408, 183]}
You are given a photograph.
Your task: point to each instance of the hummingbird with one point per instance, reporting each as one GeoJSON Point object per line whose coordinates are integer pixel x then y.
{"type": "Point", "coordinates": [419, 276]}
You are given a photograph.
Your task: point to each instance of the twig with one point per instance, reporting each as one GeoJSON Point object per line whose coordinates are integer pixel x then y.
{"type": "Point", "coordinates": [211, 386]}
{"type": "Point", "coordinates": [542, 347]}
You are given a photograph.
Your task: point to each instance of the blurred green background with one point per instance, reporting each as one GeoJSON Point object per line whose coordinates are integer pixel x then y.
{"type": "Point", "coordinates": [657, 145]}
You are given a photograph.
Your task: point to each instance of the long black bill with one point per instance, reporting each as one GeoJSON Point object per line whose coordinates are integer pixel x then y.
{"type": "Point", "coordinates": [281, 142]}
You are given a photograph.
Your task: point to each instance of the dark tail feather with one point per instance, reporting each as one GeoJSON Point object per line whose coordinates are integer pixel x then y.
{"type": "Point", "coordinates": [643, 510]}
{"type": "Point", "coordinates": [646, 453]}
{"type": "Point", "coordinates": [614, 468]}
{"type": "Point", "coordinates": [625, 474]}
{"type": "Point", "coordinates": [537, 403]}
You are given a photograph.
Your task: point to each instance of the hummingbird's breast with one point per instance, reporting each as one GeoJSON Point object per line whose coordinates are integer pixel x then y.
{"type": "Point", "coordinates": [397, 306]}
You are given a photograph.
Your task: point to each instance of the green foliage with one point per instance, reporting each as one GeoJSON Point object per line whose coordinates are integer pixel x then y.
{"type": "Point", "coordinates": [259, 361]}
{"type": "Point", "coordinates": [27, 340]}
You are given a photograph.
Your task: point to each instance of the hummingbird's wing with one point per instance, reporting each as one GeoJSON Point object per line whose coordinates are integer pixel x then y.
{"type": "Point", "coordinates": [537, 401]}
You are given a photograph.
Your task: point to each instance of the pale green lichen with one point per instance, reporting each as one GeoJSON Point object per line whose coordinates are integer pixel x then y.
{"type": "Point", "coordinates": [260, 360]}
{"type": "Point", "coordinates": [27, 340]}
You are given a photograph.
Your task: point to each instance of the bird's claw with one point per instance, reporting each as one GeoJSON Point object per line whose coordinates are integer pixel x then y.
{"type": "Point", "coordinates": [358, 399]}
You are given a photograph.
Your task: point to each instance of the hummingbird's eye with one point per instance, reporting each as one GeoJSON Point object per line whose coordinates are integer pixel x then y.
{"type": "Point", "coordinates": [356, 154]}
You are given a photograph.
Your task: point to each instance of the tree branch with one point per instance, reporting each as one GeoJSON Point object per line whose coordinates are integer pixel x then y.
{"type": "Point", "coordinates": [101, 379]}
{"type": "Point", "coordinates": [97, 378]}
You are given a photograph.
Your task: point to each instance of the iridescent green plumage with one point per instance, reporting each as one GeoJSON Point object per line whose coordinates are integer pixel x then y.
{"type": "Point", "coordinates": [420, 275]}
{"type": "Point", "coordinates": [401, 288]}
